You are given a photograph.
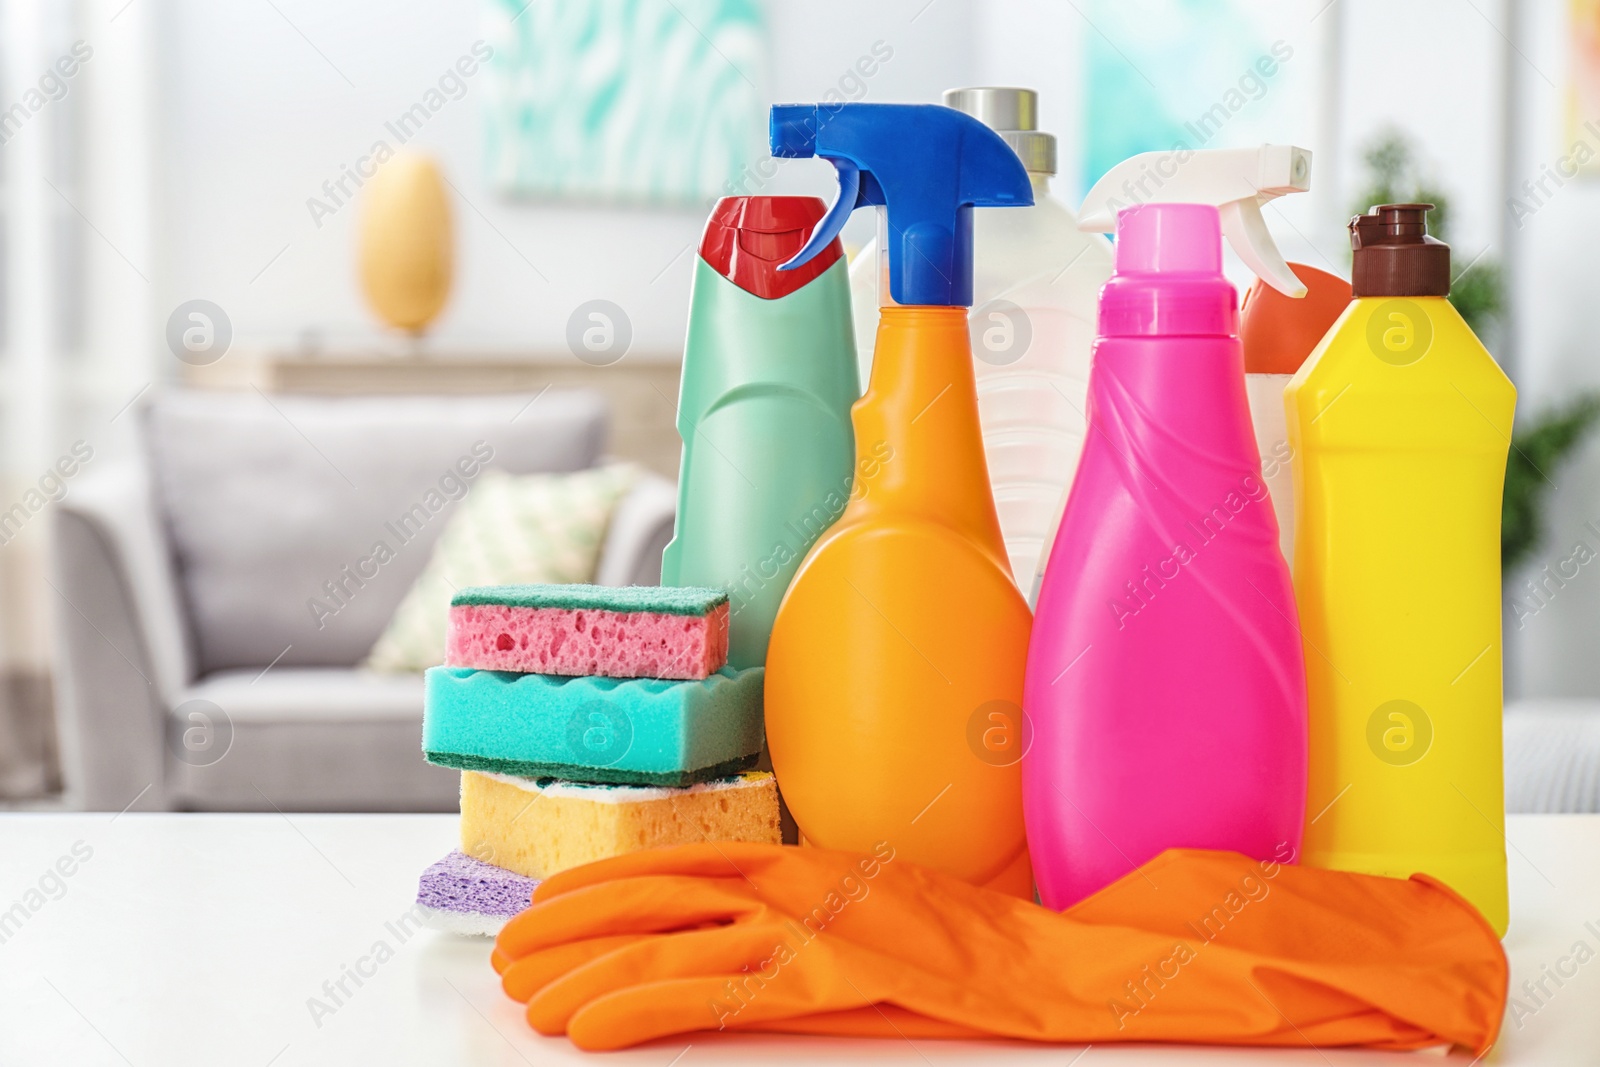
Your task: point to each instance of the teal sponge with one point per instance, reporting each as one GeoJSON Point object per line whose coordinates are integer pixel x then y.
{"type": "Point", "coordinates": [635, 731]}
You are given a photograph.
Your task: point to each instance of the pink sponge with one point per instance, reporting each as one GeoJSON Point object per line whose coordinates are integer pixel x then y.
{"type": "Point", "coordinates": [577, 630]}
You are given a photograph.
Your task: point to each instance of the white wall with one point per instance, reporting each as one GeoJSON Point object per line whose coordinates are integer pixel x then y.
{"type": "Point", "coordinates": [255, 120]}
{"type": "Point", "coordinates": [1433, 70]}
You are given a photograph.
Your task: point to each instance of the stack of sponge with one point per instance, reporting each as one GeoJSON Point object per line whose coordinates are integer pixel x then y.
{"type": "Point", "coordinates": [587, 722]}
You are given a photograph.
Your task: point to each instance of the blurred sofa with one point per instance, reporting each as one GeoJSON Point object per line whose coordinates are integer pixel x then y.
{"type": "Point", "coordinates": [192, 672]}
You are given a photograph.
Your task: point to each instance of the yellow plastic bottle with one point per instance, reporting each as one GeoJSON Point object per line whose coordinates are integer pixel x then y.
{"type": "Point", "coordinates": [894, 672]}
{"type": "Point", "coordinates": [1400, 422]}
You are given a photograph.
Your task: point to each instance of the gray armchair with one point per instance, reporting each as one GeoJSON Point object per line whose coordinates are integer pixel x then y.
{"type": "Point", "coordinates": [192, 673]}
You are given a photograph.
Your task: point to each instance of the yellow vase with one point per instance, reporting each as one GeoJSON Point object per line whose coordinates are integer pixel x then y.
{"type": "Point", "coordinates": [1400, 423]}
{"type": "Point", "coordinates": [406, 242]}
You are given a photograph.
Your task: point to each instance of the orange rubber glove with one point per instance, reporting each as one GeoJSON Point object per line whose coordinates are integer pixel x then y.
{"type": "Point", "coordinates": [1203, 947]}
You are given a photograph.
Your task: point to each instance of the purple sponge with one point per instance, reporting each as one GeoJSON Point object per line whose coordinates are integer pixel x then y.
{"type": "Point", "coordinates": [467, 896]}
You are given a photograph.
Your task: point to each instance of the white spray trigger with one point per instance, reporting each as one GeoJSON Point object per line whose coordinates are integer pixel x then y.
{"type": "Point", "coordinates": [1237, 181]}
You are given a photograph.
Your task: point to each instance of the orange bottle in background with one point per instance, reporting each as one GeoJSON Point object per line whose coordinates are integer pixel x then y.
{"type": "Point", "coordinates": [1278, 332]}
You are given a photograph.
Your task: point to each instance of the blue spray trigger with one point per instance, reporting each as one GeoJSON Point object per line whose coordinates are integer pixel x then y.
{"type": "Point", "coordinates": [929, 165]}
{"type": "Point", "coordinates": [856, 189]}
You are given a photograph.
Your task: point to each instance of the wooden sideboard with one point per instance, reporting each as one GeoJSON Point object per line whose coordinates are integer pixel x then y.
{"type": "Point", "coordinates": [643, 392]}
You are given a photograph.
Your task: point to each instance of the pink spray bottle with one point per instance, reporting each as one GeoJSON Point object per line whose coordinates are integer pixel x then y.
{"type": "Point", "coordinates": [1165, 687]}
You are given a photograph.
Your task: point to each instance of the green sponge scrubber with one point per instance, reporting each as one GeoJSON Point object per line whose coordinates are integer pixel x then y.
{"type": "Point", "coordinates": [638, 731]}
{"type": "Point", "coordinates": [663, 599]}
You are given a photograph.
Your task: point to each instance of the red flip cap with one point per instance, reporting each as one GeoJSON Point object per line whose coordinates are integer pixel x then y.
{"type": "Point", "coordinates": [748, 236]}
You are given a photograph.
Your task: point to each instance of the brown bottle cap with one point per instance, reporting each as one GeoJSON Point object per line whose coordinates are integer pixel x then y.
{"type": "Point", "coordinates": [1278, 332]}
{"type": "Point", "coordinates": [1394, 256]}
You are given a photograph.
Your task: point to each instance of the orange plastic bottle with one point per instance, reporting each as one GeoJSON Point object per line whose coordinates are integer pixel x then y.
{"type": "Point", "coordinates": [894, 673]}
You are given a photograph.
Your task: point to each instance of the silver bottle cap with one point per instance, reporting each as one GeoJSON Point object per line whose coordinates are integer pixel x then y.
{"type": "Point", "coordinates": [1013, 114]}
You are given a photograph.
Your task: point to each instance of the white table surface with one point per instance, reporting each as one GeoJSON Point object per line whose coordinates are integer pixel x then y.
{"type": "Point", "coordinates": [199, 939]}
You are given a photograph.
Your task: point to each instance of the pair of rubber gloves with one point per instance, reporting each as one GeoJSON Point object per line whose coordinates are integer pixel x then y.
{"type": "Point", "coordinates": [1204, 947]}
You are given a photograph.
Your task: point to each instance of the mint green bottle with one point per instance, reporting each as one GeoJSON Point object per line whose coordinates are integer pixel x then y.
{"type": "Point", "coordinates": [769, 374]}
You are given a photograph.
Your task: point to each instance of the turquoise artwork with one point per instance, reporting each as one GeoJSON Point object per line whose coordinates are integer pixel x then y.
{"type": "Point", "coordinates": [1166, 74]}
{"type": "Point", "coordinates": [634, 101]}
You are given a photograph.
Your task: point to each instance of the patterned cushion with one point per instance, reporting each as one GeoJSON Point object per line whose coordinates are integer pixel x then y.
{"type": "Point", "coordinates": [510, 529]}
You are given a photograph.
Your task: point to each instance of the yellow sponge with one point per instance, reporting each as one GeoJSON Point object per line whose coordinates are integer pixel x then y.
{"type": "Point", "coordinates": [537, 827]}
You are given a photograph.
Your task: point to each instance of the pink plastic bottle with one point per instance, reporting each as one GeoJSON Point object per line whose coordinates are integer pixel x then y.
{"type": "Point", "coordinates": [1165, 686]}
